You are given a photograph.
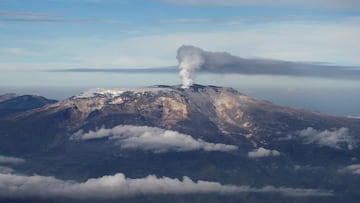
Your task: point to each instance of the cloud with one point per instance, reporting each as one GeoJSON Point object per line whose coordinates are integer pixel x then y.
{"type": "Point", "coordinates": [151, 139]}
{"type": "Point", "coordinates": [338, 138]}
{"type": "Point", "coordinates": [354, 117]}
{"type": "Point", "coordinates": [354, 169]}
{"type": "Point", "coordinates": [5, 170]}
{"type": "Point", "coordinates": [322, 4]}
{"type": "Point", "coordinates": [262, 152]}
{"type": "Point", "coordinates": [11, 160]}
{"type": "Point", "coordinates": [116, 186]}
{"type": "Point", "coordinates": [24, 14]}
{"type": "Point", "coordinates": [241, 19]}
{"type": "Point", "coordinates": [193, 20]}
{"type": "Point", "coordinates": [37, 17]}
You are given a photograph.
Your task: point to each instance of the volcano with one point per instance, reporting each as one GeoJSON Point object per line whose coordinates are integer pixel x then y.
{"type": "Point", "coordinates": [207, 133]}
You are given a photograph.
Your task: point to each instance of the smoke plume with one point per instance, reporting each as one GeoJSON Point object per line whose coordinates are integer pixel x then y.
{"type": "Point", "coordinates": [193, 59]}
{"type": "Point", "coordinates": [190, 58]}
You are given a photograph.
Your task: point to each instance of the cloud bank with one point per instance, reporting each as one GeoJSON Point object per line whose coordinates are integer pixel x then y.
{"type": "Point", "coordinates": [354, 169]}
{"type": "Point", "coordinates": [11, 160]}
{"type": "Point", "coordinates": [151, 139]}
{"type": "Point", "coordinates": [4, 170]}
{"type": "Point", "coordinates": [116, 186]}
{"type": "Point", "coordinates": [262, 152]}
{"type": "Point", "coordinates": [338, 138]}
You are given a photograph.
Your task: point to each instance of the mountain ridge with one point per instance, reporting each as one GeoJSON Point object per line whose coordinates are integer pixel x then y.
{"type": "Point", "coordinates": [216, 110]}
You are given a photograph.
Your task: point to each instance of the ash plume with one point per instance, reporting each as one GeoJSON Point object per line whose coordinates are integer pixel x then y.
{"type": "Point", "coordinates": [194, 59]}
{"type": "Point", "coordinates": [190, 58]}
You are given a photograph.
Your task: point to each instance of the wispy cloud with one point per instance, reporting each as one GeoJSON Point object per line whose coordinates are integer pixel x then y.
{"type": "Point", "coordinates": [354, 169]}
{"type": "Point", "coordinates": [193, 20]}
{"type": "Point", "coordinates": [118, 185]}
{"type": "Point", "coordinates": [151, 139]}
{"type": "Point", "coordinates": [338, 138]}
{"type": "Point", "coordinates": [262, 152]}
{"type": "Point", "coordinates": [321, 4]}
{"type": "Point", "coordinates": [10, 160]}
{"type": "Point", "coordinates": [17, 51]}
{"type": "Point", "coordinates": [24, 14]}
{"type": "Point", "coordinates": [243, 19]}
{"type": "Point", "coordinates": [36, 17]}
{"type": "Point", "coordinates": [5, 170]}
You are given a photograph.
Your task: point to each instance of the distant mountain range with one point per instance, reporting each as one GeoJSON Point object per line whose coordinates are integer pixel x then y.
{"type": "Point", "coordinates": [11, 103]}
{"type": "Point", "coordinates": [230, 147]}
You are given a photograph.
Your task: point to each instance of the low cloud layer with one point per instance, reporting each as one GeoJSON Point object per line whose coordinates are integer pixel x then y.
{"type": "Point", "coordinates": [151, 139]}
{"type": "Point", "coordinates": [4, 169]}
{"type": "Point", "coordinates": [11, 160]}
{"type": "Point", "coordinates": [338, 138]}
{"type": "Point", "coordinates": [116, 186]}
{"type": "Point", "coordinates": [354, 169]}
{"type": "Point", "coordinates": [262, 152]}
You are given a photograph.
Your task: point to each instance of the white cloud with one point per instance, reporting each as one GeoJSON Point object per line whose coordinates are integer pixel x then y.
{"type": "Point", "coordinates": [115, 186]}
{"type": "Point", "coordinates": [152, 139]}
{"type": "Point", "coordinates": [323, 4]}
{"type": "Point", "coordinates": [337, 138]}
{"type": "Point", "coordinates": [354, 169]}
{"type": "Point", "coordinates": [262, 152]}
{"type": "Point", "coordinates": [10, 160]}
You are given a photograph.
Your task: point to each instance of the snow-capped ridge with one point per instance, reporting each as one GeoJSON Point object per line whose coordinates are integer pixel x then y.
{"type": "Point", "coordinates": [115, 92]}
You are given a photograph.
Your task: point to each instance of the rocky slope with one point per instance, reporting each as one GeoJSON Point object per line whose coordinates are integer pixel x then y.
{"type": "Point", "coordinates": [202, 111]}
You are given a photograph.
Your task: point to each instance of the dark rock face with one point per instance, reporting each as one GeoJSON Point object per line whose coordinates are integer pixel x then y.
{"type": "Point", "coordinates": [310, 149]}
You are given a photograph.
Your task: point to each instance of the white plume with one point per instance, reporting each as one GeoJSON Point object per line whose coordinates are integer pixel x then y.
{"type": "Point", "coordinates": [190, 58]}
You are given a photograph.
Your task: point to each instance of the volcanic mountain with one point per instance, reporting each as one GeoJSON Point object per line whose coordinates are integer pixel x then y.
{"type": "Point", "coordinates": [204, 132]}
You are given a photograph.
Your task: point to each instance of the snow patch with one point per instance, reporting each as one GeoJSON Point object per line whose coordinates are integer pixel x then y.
{"type": "Point", "coordinates": [353, 169]}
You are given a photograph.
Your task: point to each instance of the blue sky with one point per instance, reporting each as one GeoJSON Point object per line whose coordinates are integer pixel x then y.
{"type": "Point", "coordinates": [139, 33]}
{"type": "Point", "coordinates": [41, 35]}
